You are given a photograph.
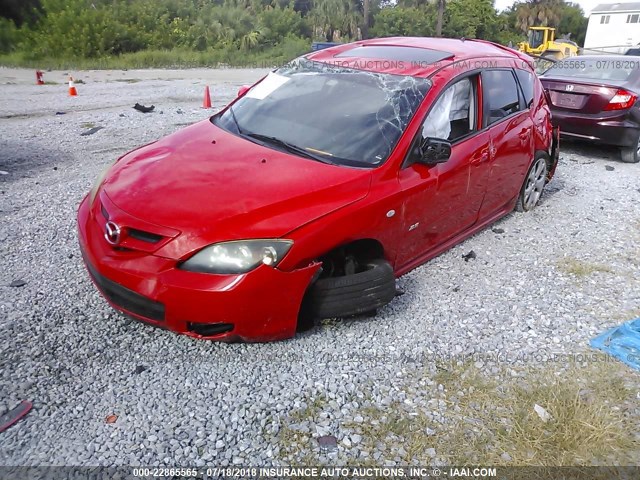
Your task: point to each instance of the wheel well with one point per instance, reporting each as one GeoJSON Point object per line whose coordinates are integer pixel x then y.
{"type": "Point", "coordinates": [344, 260]}
{"type": "Point", "coordinates": [347, 258]}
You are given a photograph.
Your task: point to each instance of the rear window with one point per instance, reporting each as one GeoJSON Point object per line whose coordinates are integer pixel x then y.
{"type": "Point", "coordinates": [501, 92]}
{"type": "Point", "coordinates": [526, 82]}
{"type": "Point", "coordinates": [618, 69]}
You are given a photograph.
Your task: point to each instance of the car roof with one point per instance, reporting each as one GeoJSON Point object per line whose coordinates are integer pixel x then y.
{"type": "Point", "coordinates": [612, 56]}
{"type": "Point", "coordinates": [415, 56]}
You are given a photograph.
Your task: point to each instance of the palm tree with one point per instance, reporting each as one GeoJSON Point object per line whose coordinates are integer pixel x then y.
{"type": "Point", "coordinates": [335, 18]}
{"type": "Point", "coordinates": [441, 7]}
{"type": "Point", "coordinates": [535, 13]}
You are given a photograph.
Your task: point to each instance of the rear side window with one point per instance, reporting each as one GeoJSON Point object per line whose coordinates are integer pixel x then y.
{"type": "Point", "coordinates": [501, 94]}
{"type": "Point", "coordinates": [526, 82]}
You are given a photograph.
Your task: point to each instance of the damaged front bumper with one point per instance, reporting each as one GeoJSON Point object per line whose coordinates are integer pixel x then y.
{"type": "Point", "coordinates": [261, 305]}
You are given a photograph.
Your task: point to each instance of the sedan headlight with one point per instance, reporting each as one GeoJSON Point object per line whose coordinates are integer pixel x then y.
{"type": "Point", "coordinates": [238, 256]}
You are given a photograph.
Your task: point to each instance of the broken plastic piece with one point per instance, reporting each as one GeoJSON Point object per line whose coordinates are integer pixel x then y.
{"type": "Point", "coordinates": [91, 131]}
{"type": "Point", "coordinates": [143, 109]}
{"type": "Point", "coordinates": [469, 256]}
{"type": "Point", "coordinates": [18, 283]}
{"type": "Point", "coordinates": [15, 414]}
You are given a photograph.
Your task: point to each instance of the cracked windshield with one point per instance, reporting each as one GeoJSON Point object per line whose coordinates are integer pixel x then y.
{"type": "Point", "coordinates": [331, 114]}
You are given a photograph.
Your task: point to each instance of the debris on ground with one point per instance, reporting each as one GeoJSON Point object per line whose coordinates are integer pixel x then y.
{"type": "Point", "coordinates": [3, 172]}
{"type": "Point", "coordinates": [469, 256]}
{"type": "Point", "coordinates": [111, 419]}
{"type": "Point", "coordinates": [61, 113]}
{"type": "Point", "coordinates": [18, 283]}
{"type": "Point", "coordinates": [12, 416]}
{"type": "Point", "coordinates": [542, 413]}
{"type": "Point", "coordinates": [621, 342]}
{"type": "Point", "coordinates": [143, 109]}
{"type": "Point", "coordinates": [139, 369]}
{"type": "Point", "coordinates": [328, 443]}
{"type": "Point", "coordinates": [497, 230]}
{"type": "Point", "coordinates": [609, 167]}
{"type": "Point", "coordinates": [399, 291]}
{"type": "Point", "coordinates": [91, 131]}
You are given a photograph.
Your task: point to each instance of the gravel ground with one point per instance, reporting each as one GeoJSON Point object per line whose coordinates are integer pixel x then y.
{"type": "Point", "coordinates": [544, 282]}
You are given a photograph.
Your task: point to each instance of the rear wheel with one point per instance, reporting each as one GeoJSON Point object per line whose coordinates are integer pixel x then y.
{"type": "Point", "coordinates": [631, 154]}
{"type": "Point", "coordinates": [533, 185]}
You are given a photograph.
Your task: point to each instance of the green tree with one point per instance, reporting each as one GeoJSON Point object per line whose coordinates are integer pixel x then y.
{"type": "Point", "coordinates": [574, 22]}
{"type": "Point", "coordinates": [471, 19]}
{"type": "Point", "coordinates": [409, 21]}
{"type": "Point", "coordinates": [335, 19]}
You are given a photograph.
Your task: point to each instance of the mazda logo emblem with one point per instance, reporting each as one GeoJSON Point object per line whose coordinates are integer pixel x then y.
{"type": "Point", "coordinates": [112, 233]}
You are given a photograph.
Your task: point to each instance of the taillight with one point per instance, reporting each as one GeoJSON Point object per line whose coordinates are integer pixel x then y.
{"type": "Point", "coordinates": [621, 100]}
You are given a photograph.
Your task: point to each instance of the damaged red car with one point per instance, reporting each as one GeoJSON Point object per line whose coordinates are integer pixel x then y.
{"type": "Point", "coordinates": [316, 188]}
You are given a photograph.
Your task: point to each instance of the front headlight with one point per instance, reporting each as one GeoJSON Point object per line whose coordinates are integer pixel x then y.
{"type": "Point", "coordinates": [238, 256]}
{"type": "Point", "coordinates": [98, 182]}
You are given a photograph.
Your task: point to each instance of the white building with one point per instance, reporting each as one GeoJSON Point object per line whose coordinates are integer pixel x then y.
{"type": "Point", "coordinates": [613, 28]}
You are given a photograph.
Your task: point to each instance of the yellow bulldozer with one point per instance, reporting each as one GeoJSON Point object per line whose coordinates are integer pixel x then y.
{"type": "Point", "coordinates": [541, 42]}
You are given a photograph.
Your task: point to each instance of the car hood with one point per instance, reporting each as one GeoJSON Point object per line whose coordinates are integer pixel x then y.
{"type": "Point", "coordinates": [211, 186]}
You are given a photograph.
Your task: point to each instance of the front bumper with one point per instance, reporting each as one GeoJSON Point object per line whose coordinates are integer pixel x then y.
{"type": "Point", "coordinates": [261, 305]}
{"type": "Point", "coordinates": [610, 128]}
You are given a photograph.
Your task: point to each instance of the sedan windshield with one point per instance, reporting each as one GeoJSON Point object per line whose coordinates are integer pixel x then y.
{"type": "Point", "coordinates": [327, 113]}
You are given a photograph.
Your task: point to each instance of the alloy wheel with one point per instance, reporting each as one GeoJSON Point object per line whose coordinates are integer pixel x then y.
{"type": "Point", "coordinates": [535, 183]}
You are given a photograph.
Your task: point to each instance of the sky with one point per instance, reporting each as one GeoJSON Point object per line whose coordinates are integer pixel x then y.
{"type": "Point", "coordinates": [587, 5]}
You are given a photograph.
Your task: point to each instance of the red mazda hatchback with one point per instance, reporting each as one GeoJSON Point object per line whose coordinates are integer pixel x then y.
{"type": "Point", "coordinates": [313, 190]}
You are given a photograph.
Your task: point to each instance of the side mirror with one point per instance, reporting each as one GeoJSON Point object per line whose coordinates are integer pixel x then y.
{"type": "Point", "coordinates": [434, 150]}
{"type": "Point", "coordinates": [243, 89]}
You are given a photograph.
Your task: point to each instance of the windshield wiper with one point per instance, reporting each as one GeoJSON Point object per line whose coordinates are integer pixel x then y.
{"type": "Point", "coordinates": [290, 147]}
{"type": "Point", "coordinates": [235, 120]}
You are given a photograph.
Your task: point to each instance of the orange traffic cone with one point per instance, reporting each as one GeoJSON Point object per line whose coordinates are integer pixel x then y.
{"type": "Point", "coordinates": [206, 103]}
{"type": "Point", "coordinates": [72, 88]}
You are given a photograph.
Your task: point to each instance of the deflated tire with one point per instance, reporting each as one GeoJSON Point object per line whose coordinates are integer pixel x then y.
{"type": "Point", "coordinates": [354, 294]}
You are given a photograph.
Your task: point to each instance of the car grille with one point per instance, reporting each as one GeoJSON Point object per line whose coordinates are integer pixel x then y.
{"type": "Point", "coordinates": [141, 235]}
{"type": "Point", "coordinates": [127, 299]}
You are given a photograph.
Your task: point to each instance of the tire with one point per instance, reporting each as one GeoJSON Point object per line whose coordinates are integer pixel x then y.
{"type": "Point", "coordinates": [353, 294]}
{"type": "Point", "coordinates": [533, 185]}
{"type": "Point", "coordinates": [631, 154]}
